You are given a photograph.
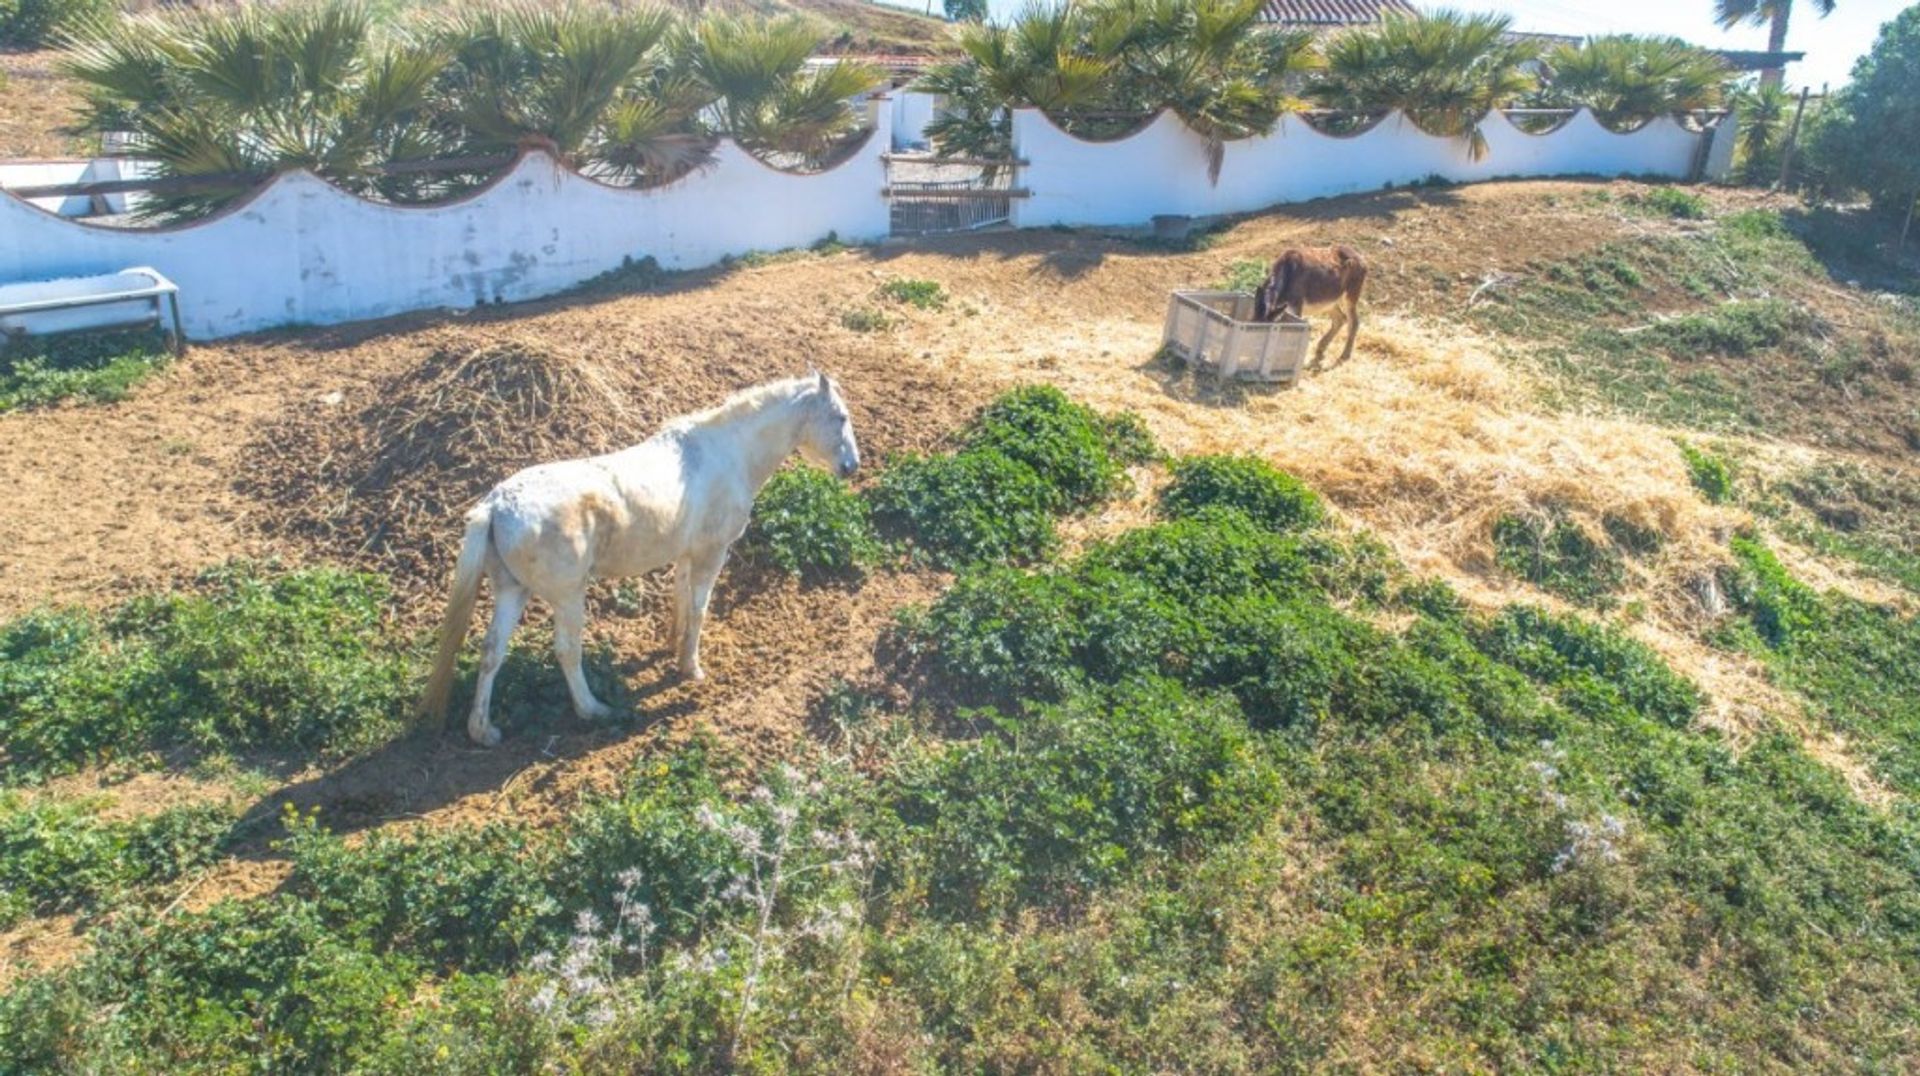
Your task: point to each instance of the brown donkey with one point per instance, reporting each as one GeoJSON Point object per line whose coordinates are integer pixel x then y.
{"type": "Point", "coordinates": [1307, 279]}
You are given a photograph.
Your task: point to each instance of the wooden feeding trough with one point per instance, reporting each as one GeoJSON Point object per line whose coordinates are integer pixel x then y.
{"type": "Point", "coordinates": [1214, 330]}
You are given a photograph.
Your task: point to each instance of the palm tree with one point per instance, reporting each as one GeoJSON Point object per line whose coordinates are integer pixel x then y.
{"type": "Point", "coordinates": [1775, 14]}
{"type": "Point", "coordinates": [1763, 114]}
{"type": "Point", "coordinates": [1045, 59]}
{"type": "Point", "coordinates": [1627, 80]}
{"type": "Point", "coordinates": [219, 102]}
{"type": "Point", "coordinates": [1210, 62]}
{"type": "Point", "coordinates": [765, 96]}
{"type": "Point", "coordinates": [1445, 70]}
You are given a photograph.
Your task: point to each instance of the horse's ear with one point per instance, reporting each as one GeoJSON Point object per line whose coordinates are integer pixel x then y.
{"type": "Point", "coordinates": [825, 385]}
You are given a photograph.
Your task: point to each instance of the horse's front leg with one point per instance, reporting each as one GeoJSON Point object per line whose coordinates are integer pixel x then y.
{"type": "Point", "coordinates": [569, 630]}
{"type": "Point", "coordinates": [705, 569]}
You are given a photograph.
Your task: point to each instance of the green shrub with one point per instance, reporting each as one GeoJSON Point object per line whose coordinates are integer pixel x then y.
{"type": "Point", "coordinates": [1089, 789]}
{"type": "Point", "coordinates": [1270, 497]}
{"type": "Point", "coordinates": [1571, 654]}
{"type": "Point", "coordinates": [1741, 327]}
{"type": "Point", "coordinates": [923, 294]}
{"type": "Point", "coordinates": [1555, 554]}
{"type": "Point", "coordinates": [1215, 553]}
{"type": "Point", "coordinates": [1711, 474]}
{"type": "Point", "coordinates": [1081, 455]}
{"type": "Point", "coordinates": [976, 506]}
{"type": "Point", "coordinates": [865, 319]}
{"type": "Point", "coordinates": [1290, 663]}
{"type": "Point", "coordinates": [1245, 274]}
{"type": "Point", "coordinates": [101, 367]}
{"type": "Point", "coordinates": [459, 897]}
{"type": "Point", "coordinates": [60, 855]}
{"type": "Point", "coordinates": [811, 524]}
{"type": "Point", "coordinates": [32, 24]}
{"type": "Point", "coordinates": [1674, 202]}
{"type": "Point", "coordinates": [1782, 608]}
{"type": "Point", "coordinates": [1755, 224]}
{"type": "Point", "coordinates": [299, 659]}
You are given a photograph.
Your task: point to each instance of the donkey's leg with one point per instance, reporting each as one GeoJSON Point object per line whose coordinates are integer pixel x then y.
{"type": "Point", "coordinates": [509, 602]}
{"type": "Point", "coordinates": [569, 625]}
{"type": "Point", "coordinates": [1335, 317]}
{"type": "Point", "coordinates": [1353, 325]}
{"type": "Point", "coordinates": [706, 569]}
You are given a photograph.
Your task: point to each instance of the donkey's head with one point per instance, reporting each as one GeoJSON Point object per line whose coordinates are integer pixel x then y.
{"type": "Point", "coordinates": [826, 439]}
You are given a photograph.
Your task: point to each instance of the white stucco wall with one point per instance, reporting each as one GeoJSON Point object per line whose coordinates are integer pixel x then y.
{"type": "Point", "coordinates": [1162, 168]}
{"type": "Point", "coordinates": [77, 170]}
{"type": "Point", "coordinates": [301, 251]}
{"type": "Point", "coordinates": [912, 112]}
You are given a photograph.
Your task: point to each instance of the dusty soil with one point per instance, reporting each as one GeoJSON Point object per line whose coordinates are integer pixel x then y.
{"type": "Point", "coordinates": [252, 447]}
{"type": "Point", "coordinates": [37, 107]}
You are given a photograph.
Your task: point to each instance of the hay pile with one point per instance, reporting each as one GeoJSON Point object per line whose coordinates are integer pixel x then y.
{"type": "Point", "coordinates": [383, 480]}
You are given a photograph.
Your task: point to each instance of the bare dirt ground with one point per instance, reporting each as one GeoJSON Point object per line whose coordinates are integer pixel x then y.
{"type": "Point", "coordinates": [1424, 438]}
{"type": "Point", "coordinates": [37, 107]}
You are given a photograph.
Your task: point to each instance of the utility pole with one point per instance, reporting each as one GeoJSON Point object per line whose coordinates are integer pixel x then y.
{"type": "Point", "coordinates": [1793, 135]}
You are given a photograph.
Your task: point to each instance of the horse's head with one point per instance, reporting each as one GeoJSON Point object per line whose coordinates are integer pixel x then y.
{"type": "Point", "coordinates": [827, 439]}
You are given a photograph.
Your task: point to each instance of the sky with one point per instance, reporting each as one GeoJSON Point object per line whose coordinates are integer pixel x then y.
{"type": "Point", "coordinates": [1831, 44]}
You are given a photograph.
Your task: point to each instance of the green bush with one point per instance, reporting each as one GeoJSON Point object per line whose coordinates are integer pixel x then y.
{"type": "Point", "coordinates": [101, 367]}
{"type": "Point", "coordinates": [1674, 202]}
{"type": "Point", "coordinates": [299, 659]}
{"type": "Point", "coordinates": [1291, 664]}
{"type": "Point", "coordinates": [1783, 609]}
{"type": "Point", "coordinates": [924, 294]}
{"type": "Point", "coordinates": [976, 506]}
{"type": "Point", "coordinates": [811, 524]}
{"type": "Point", "coordinates": [1087, 790]}
{"type": "Point", "coordinates": [32, 24]}
{"type": "Point", "coordinates": [865, 319]}
{"type": "Point", "coordinates": [1571, 654]}
{"type": "Point", "coordinates": [459, 897]}
{"type": "Point", "coordinates": [1081, 455]}
{"type": "Point", "coordinates": [1270, 497]}
{"type": "Point", "coordinates": [59, 855]}
{"type": "Point", "coordinates": [1741, 327]}
{"type": "Point", "coordinates": [1215, 553]}
{"type": "Point", "coordinates": [1711, 474]}
{"type": "Point", "coordinates": [1555, 554]}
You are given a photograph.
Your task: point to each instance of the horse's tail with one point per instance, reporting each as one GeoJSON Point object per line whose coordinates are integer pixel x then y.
{"type": "Point", "coordinates": [453, 628]}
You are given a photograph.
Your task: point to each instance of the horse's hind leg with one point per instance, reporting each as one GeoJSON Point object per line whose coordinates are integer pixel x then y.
{"type": "Point", "coordinates": [509, 603]}
{"type": "Point", "coordinates": [569, 626]}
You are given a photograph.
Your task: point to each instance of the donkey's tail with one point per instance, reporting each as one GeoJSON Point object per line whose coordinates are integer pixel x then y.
{"type": "Point", "coordinates": [453, 628]}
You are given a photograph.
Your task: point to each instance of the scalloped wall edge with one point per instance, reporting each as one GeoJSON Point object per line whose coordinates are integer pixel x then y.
{"type": "Point", "coordinates": [298, 250]}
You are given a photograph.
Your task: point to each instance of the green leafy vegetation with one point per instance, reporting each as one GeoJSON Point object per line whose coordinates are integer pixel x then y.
{"type": "Point", "coordinates": [1674, 202]}
{"type": "Point", "coordinates": [1273, 499]}
{"type": "Point", "coordinates": [1245, 274]}
{"type": "Point", "coordinates": [1228, 792]}
{"type": "Point", "coordinates": [99, 367]}
{"type": "Point", "coordinates": [1556, 554]}
{"type": "Point", "coordinates": [920, 294]}
{"type": "Point", "coordinates": [811, 524]}
{"type": "Point", "coordinates": [1030, 456]}
{"type": "Point", "coordinates": [865, 319]}
{"type": "Point", "coordinates": [1852, 660]}
{"type": "Point", "coordinates": [32, 24]}
{"type": "Point", "coordinates": [253, 659]}
{"type": "Point", "coordinates": [60, 855]}
{"type": "Point", "coordinates": [1711, 474]}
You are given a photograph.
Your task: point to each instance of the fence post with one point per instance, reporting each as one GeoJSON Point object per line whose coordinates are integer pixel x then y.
{"type": "Point", "coordinates": [1793, 136]}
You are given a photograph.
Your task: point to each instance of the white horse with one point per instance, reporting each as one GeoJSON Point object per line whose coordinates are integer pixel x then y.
{"type": "Point", "coordinates": [681, 497]}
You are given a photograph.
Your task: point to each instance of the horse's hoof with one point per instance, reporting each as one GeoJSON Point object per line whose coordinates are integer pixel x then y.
{"type": "Point", "coordinates": [694, 675]}
{"type": "Point", "coordinates": [597, 711]}
{"type": "Point", "coordinates": [487, 737]}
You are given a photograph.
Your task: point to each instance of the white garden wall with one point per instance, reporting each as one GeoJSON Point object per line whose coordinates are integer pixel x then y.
{"type": "Point", "coordinates": [302, 251]}
{"type": "Point", "coordinates": [1162, 168]}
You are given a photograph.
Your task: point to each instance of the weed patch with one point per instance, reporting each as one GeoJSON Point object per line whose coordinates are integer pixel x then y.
{"type": "Point", "coordinates": [810, 524]}
{"type": "Point", "coordinates": [97, 367]}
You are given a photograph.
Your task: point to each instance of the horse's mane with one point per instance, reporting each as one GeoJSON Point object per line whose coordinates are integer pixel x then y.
{"type": "Point", "coordinates": [748, 401]}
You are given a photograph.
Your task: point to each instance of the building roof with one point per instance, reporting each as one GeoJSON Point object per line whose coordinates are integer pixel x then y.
{"type": "Point", "coordinates": [1333, 12]}
{"type": "Point", "coordinates": [1756, 61]}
